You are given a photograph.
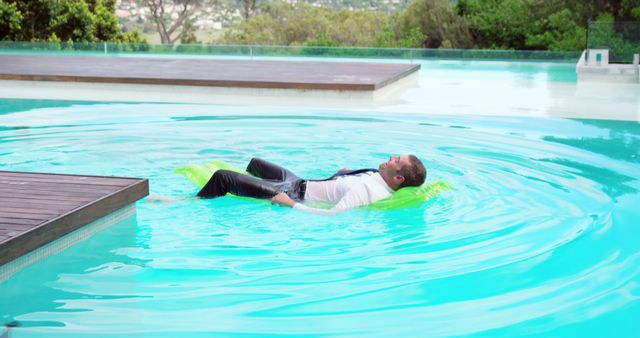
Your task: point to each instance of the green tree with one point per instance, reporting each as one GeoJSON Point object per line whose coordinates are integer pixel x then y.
{"type": "Point", "coordinates": [63, 20]}
{"type": "Point", "coordinates": [622, 10]}
{"type": "Point", "coordinates": [35, 20]}
{"type": "Point", "coordinates": [414, 38]}
{"type": "Point", "coordinates": [538, 24]}
{"type": "Point", "coordinates": [498, 24]}
{"type": "Point", "coordinates": [174, 18]}
{"type": "Point", "coordinates": [303, 24]}
{"type": "Point", "coordinates": [322, 40]}
{"type": "Point", "coordinates": [189, 35]}
{"type": "Point", "coordinates": [248, 8]}
{"type": "Point", "coordinates": [559, 32]}
{"type": "Point", "coordinates": [106, 24]}
{"type": "Point", "coordinates": [437, 20]}
{"type": "Point", "coordinates": [621, 44]}
{"type": "Point", "coordinates": [73, 21]}
{"type": "Point", "coordinates": [10, 20]}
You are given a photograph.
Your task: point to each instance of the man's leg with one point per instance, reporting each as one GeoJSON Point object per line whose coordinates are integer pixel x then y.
{"type": "Point", "coordinates": [224, 181]}
{"type": "Point", "coordinates": [269, 171]}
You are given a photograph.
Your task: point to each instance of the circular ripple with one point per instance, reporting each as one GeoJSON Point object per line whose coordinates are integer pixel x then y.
{"type": "Point", "coordinates": [536, 234]}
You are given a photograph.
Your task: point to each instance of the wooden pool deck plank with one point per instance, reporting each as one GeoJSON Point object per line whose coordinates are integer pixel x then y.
{"type": "Point", "coordinates": [307, 75]}
{"type": "Point", "coordinates": [38, 208]}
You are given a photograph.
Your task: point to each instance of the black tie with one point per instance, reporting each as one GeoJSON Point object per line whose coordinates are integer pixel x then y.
{"type": "Point", "coordinates": [351, 172]}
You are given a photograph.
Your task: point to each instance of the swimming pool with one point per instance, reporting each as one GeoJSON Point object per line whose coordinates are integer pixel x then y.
{"type": "Point", "coordinates": [539, 236]}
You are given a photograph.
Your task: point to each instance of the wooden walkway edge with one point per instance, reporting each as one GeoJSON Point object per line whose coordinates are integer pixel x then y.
{"type": "Point", "coordinates": [305, 75]}
{"type": "Point", "coordinates": [38, 208]}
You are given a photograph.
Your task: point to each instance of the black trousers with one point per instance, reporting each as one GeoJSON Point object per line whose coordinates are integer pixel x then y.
{"type": "Point", "coordinates": [267, 180]}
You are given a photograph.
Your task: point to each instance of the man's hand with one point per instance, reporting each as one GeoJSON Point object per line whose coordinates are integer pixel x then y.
{"type": "Point", "coordinates": [343, 169]}
{"type": "Point", "coordinates": [283, 199]}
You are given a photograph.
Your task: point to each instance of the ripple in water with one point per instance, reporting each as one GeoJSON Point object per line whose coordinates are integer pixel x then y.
{"type": "Point", "coordinates": [538, 235]}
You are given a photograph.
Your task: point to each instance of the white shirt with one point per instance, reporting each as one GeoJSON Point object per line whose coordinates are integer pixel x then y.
{"type": "Point", "coordinates": [347, 192]}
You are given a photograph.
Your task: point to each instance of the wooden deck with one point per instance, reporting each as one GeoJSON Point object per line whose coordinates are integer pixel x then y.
{"type": "Point", "coordinates": [352, 76]}
{"type": "Point", "coordinates": [36, 208]}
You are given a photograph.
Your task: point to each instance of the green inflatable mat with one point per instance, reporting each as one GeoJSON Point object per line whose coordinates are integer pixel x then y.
{"type": "Point", "coordinates": [407, 197]}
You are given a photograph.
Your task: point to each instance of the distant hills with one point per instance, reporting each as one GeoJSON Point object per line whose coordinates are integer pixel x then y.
{"type": "Point", "coordinates": [222, 14]}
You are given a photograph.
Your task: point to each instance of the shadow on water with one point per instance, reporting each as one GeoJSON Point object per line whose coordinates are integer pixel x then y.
{"type": "Point", "coordinates": [34, 289]}
{"type": "Point", "coordinates": [623, 142]}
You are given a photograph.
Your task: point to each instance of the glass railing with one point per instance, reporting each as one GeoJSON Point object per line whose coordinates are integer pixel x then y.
{"type": "Point", "coordinates": [622, 39]}
{"type": "Point", "coordinates": [256, 51]}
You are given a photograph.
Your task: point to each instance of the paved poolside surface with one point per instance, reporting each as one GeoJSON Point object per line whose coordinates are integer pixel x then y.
{"type": "Point", "coordinates": [38, 208]}
{"type": "Point", "coordinates": [352, 76]}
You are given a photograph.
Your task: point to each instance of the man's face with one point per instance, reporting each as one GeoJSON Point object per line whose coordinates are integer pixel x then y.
{"type": "Point", "coordinates": [391, 167]}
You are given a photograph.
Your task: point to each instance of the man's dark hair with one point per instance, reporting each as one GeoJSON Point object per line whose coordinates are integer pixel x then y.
{"type": "Point", "coordinates": [414, 173]}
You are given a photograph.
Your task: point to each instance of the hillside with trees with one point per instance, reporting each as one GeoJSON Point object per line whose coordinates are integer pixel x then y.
{"type": "Point", "coordinates": [554, 25]}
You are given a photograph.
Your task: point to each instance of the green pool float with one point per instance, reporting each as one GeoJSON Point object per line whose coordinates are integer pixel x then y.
{"type": "Point", "coordinates": [199, 174]}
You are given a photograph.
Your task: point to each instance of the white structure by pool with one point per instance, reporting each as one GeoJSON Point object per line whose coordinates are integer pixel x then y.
{"type": "Point", "coordinates": [594, 66]}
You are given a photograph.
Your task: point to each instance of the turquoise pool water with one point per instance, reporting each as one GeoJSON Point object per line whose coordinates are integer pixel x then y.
{"type": "Point", "coordinates": [538, 238]}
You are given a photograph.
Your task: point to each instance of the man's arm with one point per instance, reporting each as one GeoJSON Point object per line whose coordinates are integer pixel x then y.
{"type": "Point", "coordinates": [353, 199]}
